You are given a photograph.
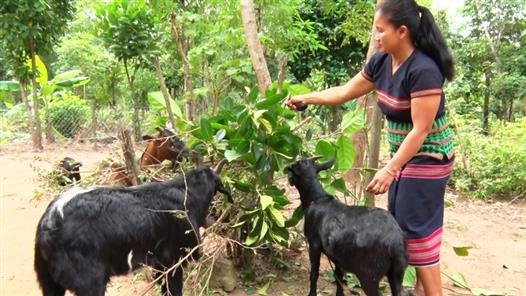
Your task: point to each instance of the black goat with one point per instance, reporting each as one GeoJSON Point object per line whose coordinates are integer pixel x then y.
{"type": "Point", "coordinates": [366, 241]}
{"type": "Point", "coordinates": [88, 235]}
{"type": "Point", "coordinates": [68, 171]}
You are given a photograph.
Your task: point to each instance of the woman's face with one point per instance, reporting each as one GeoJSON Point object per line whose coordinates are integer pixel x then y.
{"type": "Point", "coordinates": [387, 37]}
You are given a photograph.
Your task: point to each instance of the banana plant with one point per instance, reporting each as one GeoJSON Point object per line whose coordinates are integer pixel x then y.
{"type": "Point", "coordinates": [48, 88]}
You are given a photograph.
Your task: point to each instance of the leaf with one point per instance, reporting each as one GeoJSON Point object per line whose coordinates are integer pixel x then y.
{"type": "Point", "coordinates": [298, 89]}
{"type": "Point", "coordinates": [251, 240]}
{"type": "Point", "coordinates": [206, 129]}
{"type": "Point", "coordinates": [237, 225]}
{"type": "Point", "coordinates": [264, 230]}
{"type": "Point", "coordinates": [47, 89]}
{"type": "Point", "coordinates": [462, 251]}
{"type": "Point", "coordinates": [156, 101]}
{"type": "Point", "coordinates": [65, 76]}
{"type": "Point", "coordinates": [484, 292]}
{"type": "Point", "coordinates": [252, 96]}
{"type": "Point", "coordinates": [270, 101]}
{"type": "Point", "coordinates": [308, 135]}
{"type": "Point", "coordinates": [459, 280]}
{"type": "Point", "coordinates": [325, 149]}
{"type": "Point", "coordinates": [258, 113]}
{"type": "Point", "coordinates": [266, 124]}
{"type": "Point", "coordinates": [345, 153]}
{"type": "Point", "coordinates": [231, 155]}
{"type": "Point", "coordinates": [295, 218]}
{"type": "Point", "coordinates": [245, 187]}
{"type": "Point", "coordinates": [277, 216]}
{"type": "Point", "coordinates": [9, 85]}
{"type": "Point", "coordinates": [409, 277]}
{"type": "Point", "coordinates": [353, 121]}
{"type": "Point", "coordinates": [220, 135]}
{"type": "Point", "coordinates": [339, 184]}
{"type": "Point", "coordinates": [265, 201]}
{"type": "Point", "coordinates": [41, 69]}
{"type": "Point", "coordinates": [264, 288]}
{"type": "Point", "coordinates": [73, 82]}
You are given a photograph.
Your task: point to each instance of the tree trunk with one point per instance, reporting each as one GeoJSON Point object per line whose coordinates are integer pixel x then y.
{"type": "Point", "coordinates": [23, 91]}
{"type": "Point", "coordinates": [510, 110]}
{"type": "Point", "coordinates": [164, 90]}
{"type": "Point", "coordinates": [113, 102]}
{"type": "Point", "coordinates": [29, 115]}
{"type": "Point", "coordinates": [49, 127]}
{"type": "Point", "coordinates": [254, 46]}
{"type": "Point", "coordinates": [359, 139]}
{"type": "Point", "coordinates": [373, 153]}
{"type": "Point", "coordinates": [282, 70]}
{"type": "Point", "coordinates": [94, 123]}
{"type": "Point", "coordinates": [485, 111]}
{"type": "Point", "coordinates": [182, 45]}
{"type": "Point", "coordinates": [37, 129]}
{"type": "Point", "coordinates": [136, 117]}
{"type": "Point", "coordinates": [335, 119]}
{"type": "Point", "coordinates": [129, 156]}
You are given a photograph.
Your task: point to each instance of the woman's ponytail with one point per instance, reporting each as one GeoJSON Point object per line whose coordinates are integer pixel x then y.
{"type": "Point", "coordinates": [430, 40]}
{"type": "Point", "coordinates": [424, 32]}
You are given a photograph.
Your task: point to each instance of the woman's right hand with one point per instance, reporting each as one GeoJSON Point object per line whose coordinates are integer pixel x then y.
{"type": "Point", "coordinates": [297, 103]}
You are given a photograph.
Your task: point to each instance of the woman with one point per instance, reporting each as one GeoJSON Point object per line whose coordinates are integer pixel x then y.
{"type": "Point", "coordinates": [408, 75]}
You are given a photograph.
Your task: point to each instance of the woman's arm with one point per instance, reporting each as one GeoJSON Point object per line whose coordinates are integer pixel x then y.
{"type": "Point", "coordinates": [423, 110]}
{"type": "Point", "coordinates": [356, 87]}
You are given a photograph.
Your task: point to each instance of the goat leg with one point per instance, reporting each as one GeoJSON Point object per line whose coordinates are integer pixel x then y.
{"type": "Point", "coordinates": [338, 274]}
{"type": "Point", "coordinates": [175, 283]}
{"type": "Point", "coordinates": [370, 287]}
{"type": "Point", "coordinates": [314, 255]}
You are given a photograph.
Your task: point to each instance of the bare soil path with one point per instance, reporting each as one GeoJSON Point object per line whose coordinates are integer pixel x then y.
{"type": "Point", "coordinates": [496, 231]}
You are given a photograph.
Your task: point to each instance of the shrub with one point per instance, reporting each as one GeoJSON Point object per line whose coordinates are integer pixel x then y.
{"type": "Point", "coordinates": [496, 162]}
{"type": "Point", "coordinates": [69, 114]}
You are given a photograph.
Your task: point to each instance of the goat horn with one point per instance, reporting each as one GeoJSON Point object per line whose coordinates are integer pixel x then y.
{"type": "Point", "coordinates": [220, 165]}
{"type": "Point", "coordinates": [314, 158]}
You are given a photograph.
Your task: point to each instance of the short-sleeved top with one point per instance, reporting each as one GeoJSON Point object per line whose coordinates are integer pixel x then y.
{"type": "Point", "coordinates": [418, 77]}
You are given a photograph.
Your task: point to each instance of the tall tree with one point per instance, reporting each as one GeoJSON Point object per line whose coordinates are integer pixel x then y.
{"type": "Point", "coordinates": [28, 28]}
{"type": "Point", "coordinates": [183, 46]}
{"type": "Point", "coordinates": [493, 27]}
{"type": "Point", "coordinates": [254, 45]}
{"type": "Point", "coordinates": [128, 28]}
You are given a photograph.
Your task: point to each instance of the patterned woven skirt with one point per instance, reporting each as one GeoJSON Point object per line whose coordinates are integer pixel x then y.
{"type": "Point", "coordinates": [416, 200]}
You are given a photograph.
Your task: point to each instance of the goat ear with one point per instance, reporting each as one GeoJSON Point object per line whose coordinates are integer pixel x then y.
{"type": "Point", "coordinates": [324, 166]}
{"type": "Point", "coordinates": [147, 137]}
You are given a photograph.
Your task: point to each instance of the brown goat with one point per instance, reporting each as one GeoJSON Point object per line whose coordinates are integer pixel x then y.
{"type": "Point", "coordinates": [164, 145]}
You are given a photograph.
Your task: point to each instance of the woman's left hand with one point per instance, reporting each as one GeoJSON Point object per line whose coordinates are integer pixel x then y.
{"type": "Point", "coordinates": [381, 182]}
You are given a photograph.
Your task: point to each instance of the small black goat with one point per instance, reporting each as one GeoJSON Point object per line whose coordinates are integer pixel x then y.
{"type": "Point", "coordinates": [68, 171]}
{"type": "Point", "coordinates": [366, 241]}
{"type": "Point", "coordinates": [88, 235]}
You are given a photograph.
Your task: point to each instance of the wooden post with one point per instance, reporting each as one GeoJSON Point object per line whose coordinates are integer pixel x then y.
{"type": "Point", "coordinates": [129, 156]}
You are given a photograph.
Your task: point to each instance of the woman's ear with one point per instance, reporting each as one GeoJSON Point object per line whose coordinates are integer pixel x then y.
{"type": "Point", "coordinates": [403, 31]}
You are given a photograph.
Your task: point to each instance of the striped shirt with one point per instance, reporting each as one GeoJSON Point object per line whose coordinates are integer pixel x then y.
{"type": "Point", "coordinates": [418, 77]}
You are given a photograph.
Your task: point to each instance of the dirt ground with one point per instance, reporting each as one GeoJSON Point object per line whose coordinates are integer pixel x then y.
{"type": "Point", "coordinates": [496, 231]}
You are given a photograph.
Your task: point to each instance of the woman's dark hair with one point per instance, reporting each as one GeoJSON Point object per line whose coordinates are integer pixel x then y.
{"type": "Point", "coordinates": [423, 30]}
